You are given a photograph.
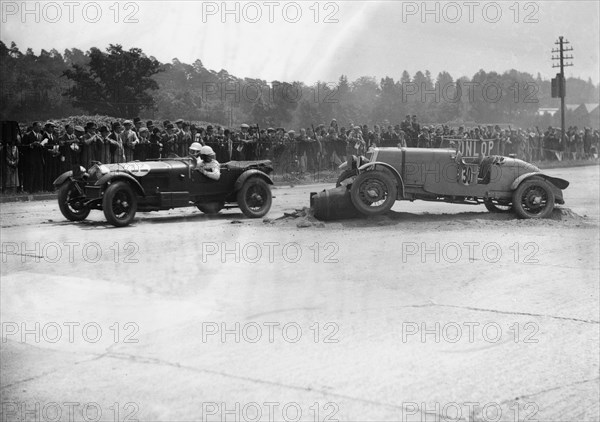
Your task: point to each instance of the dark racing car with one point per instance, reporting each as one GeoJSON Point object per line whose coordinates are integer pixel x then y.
{"type": "Point", "coordinates": [120, 190]}
{"type": "Point", "coordinates": [502, 184]}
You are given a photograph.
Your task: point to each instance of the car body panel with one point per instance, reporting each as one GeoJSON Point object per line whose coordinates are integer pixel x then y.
{"type": "Point", "coordinates": [113, 177]}
{"type": "Point", "coordinates": [246, 175]}
{"type": "Point", "coordinates": [443, 174]}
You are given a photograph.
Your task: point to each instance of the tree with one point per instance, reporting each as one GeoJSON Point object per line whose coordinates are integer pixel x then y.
{"type": "Point", "coordinates": [387, 103]}
{"type": "Point", "coordinates": [75, 56]}
{"type": "Point", "coordinates": [365, 92]}
{"type": "Point", "coordinates": [114, 83]}
{"type": "Point", "coordinates": [448, 107]}
{"type": "Point", "coordinates": [261, 113]}
{"type": "Point", "coordinates": [419, 99]}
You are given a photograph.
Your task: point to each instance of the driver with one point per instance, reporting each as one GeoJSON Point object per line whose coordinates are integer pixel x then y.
{"type": "Point", "coordinates": [208, 166]}
{"type": "Point", "coordinates": [194, 150]}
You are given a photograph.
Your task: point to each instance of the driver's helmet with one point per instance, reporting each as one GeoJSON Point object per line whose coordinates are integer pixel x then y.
{"type": "Point", "coordinates": [195, 149]}
{"type": "Point", "coordinates": [207, 151]}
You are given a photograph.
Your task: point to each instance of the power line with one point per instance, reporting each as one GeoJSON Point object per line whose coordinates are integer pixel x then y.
{"type": "Point", "coordinates": [559, 85]}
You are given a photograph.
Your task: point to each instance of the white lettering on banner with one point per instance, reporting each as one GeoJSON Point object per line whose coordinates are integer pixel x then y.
{"type": "Point", "coordinates": [472, 147]}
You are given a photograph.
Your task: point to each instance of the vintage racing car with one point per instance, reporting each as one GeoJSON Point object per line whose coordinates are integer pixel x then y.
{"type": "Point", "coordinates": [503, 184]}
{"type": "Point", "coordinates": [122, 189]}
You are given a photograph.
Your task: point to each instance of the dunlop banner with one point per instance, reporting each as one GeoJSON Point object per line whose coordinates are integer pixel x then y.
{"type": "Point", "coordinates": [472, 147]}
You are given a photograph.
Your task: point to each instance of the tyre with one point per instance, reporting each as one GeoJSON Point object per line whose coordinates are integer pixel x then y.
{"type": "Point", "coordinates": [533, 199]}
{"type": "Point", "coordinates": [346, 174]}
{"type": "Point", "coordinates": [373, 192]}
{"type": "Point", "coordinates": [71, 203]}
{"type": "Point", "coordinates": [211, 208]}
{"type": "Point", "coordinates": [254, 198]}
{"type": "Point", "coordinates": [494, 206]}
{"type": "Point", "coordinates": [119, 204]}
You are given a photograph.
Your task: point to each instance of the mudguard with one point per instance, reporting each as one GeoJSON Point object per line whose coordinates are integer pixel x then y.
{"type": "Point", "coordinates": [559, 183]}
{"type": "Point", "coordinates": [63, 178]}
{"type": "Point", "coordinates": [116, 176]}
{"type": "Point", "coordinates": [391, 168]}
{"type": "Point", "coordinates": [251, 173]}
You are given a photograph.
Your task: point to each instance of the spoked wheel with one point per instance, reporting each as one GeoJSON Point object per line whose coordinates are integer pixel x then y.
{"type": "Point", "coordinates": [373, 192]}
{"type": "Point", "coordinates": [495, 206]}
{"type": "Point", "coordinates": [211, 208]}
{"type": "Point", "coordinates": [533, 199]}
{"type": "Point", "coordinates": [346, 177]}
{"type": "Point", "coordinates": [255, 198]}
{"type": "Point", "coordinates": [119, 204]}
{"type": "Point", "coordinates": [71, 202]}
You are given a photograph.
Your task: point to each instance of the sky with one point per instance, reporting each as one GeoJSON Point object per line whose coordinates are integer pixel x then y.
{"type": "Point", "coordinates": [313, 41]}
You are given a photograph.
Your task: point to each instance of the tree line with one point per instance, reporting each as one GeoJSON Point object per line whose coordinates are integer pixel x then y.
{"type": "Point", "coordinates": [127, 83]}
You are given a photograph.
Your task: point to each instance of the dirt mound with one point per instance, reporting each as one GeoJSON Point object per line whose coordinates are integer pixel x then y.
{"type": "Point", "coordinates": [565, 214]}
{"type": "Point", "coordinates": [304, 218]}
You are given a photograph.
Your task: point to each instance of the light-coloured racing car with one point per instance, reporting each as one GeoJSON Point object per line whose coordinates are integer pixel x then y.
{"type": "Point", "coordinates": [503, 184]}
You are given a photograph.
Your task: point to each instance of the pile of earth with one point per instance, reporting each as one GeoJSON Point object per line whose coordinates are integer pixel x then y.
{"type": "Point", "coordinates": [560, 217]}
{"type": "Point", "coordinates": [301, 218]}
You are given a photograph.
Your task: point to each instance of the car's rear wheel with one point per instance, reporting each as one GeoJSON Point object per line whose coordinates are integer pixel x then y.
{"type": "Point", "coordinates": [533, 199]}
{"type": "Point", "coordinates": [70, 202]}
{"type": "Point", "coordinates": [211, 208]}
{"type": "Point", "coordinates": [373, 192]}
{"type": "Point", "coordinates": [493, 205]}
{"type": "Point", "coordinates": [119, 204]}
{"type": "Point", "coordinates": [255, 198]}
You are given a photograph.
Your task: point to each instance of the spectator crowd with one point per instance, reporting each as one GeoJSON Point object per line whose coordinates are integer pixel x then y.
{"type": "Point", "coordinates": [31, 162]}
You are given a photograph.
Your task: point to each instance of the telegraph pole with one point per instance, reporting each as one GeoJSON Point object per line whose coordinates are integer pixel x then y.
{"type": "Point", "coordinates": [559, 83]}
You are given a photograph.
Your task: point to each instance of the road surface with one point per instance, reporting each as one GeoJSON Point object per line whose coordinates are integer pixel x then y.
{"type": "Point", "coordinates": [432, 312]}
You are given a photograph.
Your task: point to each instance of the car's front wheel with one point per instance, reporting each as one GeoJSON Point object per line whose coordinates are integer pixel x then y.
{"type": "Point", "coordinates": [255, 198]}
{"type": "Point", "coordinates": [70, 203]}
{"type": "Point", "coordinates": [373, 192]}
{"type": "Point", "coordinates": [119, 204]}
{"type": "Point", "coordinates": [494, 206]}
{"type": "Point", "coordinates": [533, 199]}
{"type": "Point", "coordinates": [346, 177]}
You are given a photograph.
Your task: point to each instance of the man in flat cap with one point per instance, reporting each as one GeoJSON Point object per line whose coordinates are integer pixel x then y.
{"type": "Point", "coordinates": [143, 146]}
{"type": "Point", "coordinates": [105, 145]}
{"type": "Point", "coordinates": [398, 137]}
{"type": "Point", "coordinates": [407, 127]}
{"type": "Point", "coordinates": [251, 144]}
{"type": "Point", "coordinates": [424, 139]}
{"type": "Point", "coordinates": [117, 150]}
{"type": "Point", "coordinates": [130, 140]}
{"type": "Point", "coordinates": [163, 131]}
{"type": "Point", "coordinates": [155, 147]}
{"type": "Point", "coordinates": [137, 124]}
{"type": "Point", "coordinates": [69, 149]}
{"type": "Point", "coordinates": [186, 139]}
{"type": "Point", "coordinates": [240, 142]}
{"type": "Point", "coordinates": [386, 135]}
{"type": "Point", "coordinates": [416, 130]}
{"type": "Point", "coordinates": [169, 141]}
{"type": "Point", "coordinates": [87, 145]}
{"type": "Point", "coordinates": [33, 153]}
{"type": "Point", "coordinates": [52, 159]}
{"type": "Point", "coordinates": [180, 149]}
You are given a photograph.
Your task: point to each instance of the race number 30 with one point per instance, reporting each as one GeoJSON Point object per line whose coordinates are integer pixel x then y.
{"type": "Point", "coordinates": [467, 174]}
